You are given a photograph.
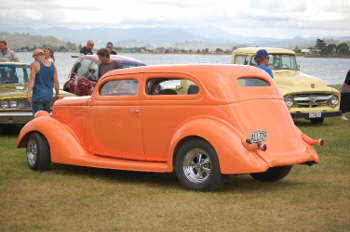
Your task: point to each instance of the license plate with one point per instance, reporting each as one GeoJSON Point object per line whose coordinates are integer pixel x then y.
{"type": "Point", "coordinates": [258, 136]}
{"type": "Point", "coordinates": [315, 115]}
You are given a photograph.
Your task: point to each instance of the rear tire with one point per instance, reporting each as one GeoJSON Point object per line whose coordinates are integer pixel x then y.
{"type": "Point", "coordinates": [38, 152]}
{"type": "Point", "coordinates": [197, 166]}
{"type": "Point", "coordinates": [272, 174]}
{"type": "Point", "coordinates": [316, 121]}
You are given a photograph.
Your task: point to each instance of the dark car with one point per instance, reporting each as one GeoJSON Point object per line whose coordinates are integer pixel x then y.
{"type": "Point", "coordinates": [84, 74]}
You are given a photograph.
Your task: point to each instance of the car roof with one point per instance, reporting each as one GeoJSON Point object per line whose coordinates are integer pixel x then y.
{"type": "Point", "coordinates": [120, 59]}
{"type": "Point", "coordinates": [253, 50]}
{"type": "Point", "coordinates": [219, 79]}
{"type": "Point", "coordinates": [12, 63]}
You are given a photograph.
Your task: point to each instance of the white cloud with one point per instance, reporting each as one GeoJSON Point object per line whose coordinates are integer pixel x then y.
{"type": "Point", "coordinates": [271, 18]}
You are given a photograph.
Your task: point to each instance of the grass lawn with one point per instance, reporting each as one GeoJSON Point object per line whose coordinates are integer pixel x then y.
{"type": "Point", "coordinates": [69, 198]}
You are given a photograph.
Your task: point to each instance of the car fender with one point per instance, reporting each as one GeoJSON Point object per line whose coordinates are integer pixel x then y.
{"type": "Point", "coordinates": [64, 144]}
{"type": "Point", "coordinates": [225, 139]}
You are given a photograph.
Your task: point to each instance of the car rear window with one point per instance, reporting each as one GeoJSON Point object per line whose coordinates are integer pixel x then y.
{"type": "Point", "coordinates": [119, 88]}
{"type": "Point", "coordinates": [252, 81]}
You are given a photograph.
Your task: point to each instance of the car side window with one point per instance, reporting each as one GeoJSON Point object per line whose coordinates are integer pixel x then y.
{"type": "Point", "coordinates": [119, 88]}
{"type": "Point", "coordinates": [241, 59]}
{"type": "Point", "coordinates": [22, 74]}
{"type": "Point", "coordinates": [92, 72]}
{"type": "Point", "coordinates": [171, 86]}
{"type": "Point", "coordinates": [83, 68]}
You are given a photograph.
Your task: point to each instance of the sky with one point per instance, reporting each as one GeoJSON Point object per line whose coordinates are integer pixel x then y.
{"type": "Point", "coordinates": [267, 18]}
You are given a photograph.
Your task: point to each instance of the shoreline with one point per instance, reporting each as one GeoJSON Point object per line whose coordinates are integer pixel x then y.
{"type": "Point", "coordinates": [202, 54]}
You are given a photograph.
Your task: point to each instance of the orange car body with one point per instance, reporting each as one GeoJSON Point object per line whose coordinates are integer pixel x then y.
{"type": "Point", "coordinates": [143, 132]}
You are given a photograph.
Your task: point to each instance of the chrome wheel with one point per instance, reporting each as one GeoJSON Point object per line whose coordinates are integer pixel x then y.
{"type": "Point", "coordinates": [197, 165]}
{"type": "Point", "coordinates": [32, 152]}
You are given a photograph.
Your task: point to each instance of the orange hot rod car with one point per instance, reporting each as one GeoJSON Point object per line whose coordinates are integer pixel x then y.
{"type": "Point", "coordinates": [201, 121]}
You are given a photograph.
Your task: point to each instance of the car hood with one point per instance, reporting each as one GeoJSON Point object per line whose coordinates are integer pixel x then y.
{"type": "Point", "coordinates": [12, 90]}
{"type": "Point", "coordinates": [20, 91]}
{"type": "Point", "coordinates": [298, 82]}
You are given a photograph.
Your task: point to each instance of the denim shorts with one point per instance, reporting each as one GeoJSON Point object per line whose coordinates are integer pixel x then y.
{"type": "Point", "coordinates": [46, 106]}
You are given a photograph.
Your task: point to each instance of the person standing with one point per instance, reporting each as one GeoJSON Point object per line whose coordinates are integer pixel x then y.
{"type": "Point", "coordinates": [87, 50]}
{"type": "Point", "coordinates": [345, 97]}
{"type": "Point", "coordinates": [107, 63]}
{"type": "Point", "coordinates": [109, 46]}
{"type": "Point", "coordinates": [262, 60]}
{"type": "Point", "coordinates": [6, 54]}
{"type": "Point", "coordinates": [49, 54]}
{"type": "Point", "coordinates": [43, 77]}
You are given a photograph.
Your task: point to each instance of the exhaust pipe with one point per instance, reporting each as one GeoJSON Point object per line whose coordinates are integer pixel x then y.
{"type": "Point", "coordinates": [250, 146]}
{"type": "Point", "coordinates": [311, 141]}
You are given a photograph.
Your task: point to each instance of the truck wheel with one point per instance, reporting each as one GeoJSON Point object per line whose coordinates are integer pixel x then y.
{"type": "Point", "coordinates": [197, 166]}
{"type": "Point", "coordinates": [38, 152]}
{"type": "Point", "coordinates": [272, 174]}
{"type": "Point", "coordinates": [316, 120]}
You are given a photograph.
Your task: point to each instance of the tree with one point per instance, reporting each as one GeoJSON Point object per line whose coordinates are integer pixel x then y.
{"type": "Point", "coordinates": [330, 49]}
{"type": "Point", "coordinates": [343, 49]}
{"type": "Point", "coordinates": [321, 44]}
{"type": "Point", "coordinates": [219, 50]}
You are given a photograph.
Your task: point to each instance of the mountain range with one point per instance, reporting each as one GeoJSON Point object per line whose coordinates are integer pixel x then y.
{"type": "Point", "coordinates": [194, 38]}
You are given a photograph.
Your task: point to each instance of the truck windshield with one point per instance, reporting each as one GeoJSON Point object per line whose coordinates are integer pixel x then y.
{"type": "Point", "coordinates": [14, 74]}
{"type": "Point", "coordinates": [281, 61]}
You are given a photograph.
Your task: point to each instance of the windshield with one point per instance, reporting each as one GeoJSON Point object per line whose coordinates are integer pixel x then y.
{"type": "Point", "coordinates": [281, 61]}
{"type": "Point", "coordinates": [14, 74]}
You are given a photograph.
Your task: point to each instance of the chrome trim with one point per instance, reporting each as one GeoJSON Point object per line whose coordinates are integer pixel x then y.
{"type": "Point", "coordinates": [312, 100]}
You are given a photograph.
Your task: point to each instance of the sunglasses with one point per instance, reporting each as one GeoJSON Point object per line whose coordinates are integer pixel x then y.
{"type": "Point", "coordinates": [39, 54]}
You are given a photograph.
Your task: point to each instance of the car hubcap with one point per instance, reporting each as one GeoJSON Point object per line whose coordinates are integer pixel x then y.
{"type": "Point", "coordinates": [197, 165]}
{"type": "Point", "coordinates": [32, 152]}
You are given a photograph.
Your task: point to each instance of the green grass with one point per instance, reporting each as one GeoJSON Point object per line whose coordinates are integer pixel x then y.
{"type": "Point", "coordinates": [69, 198]}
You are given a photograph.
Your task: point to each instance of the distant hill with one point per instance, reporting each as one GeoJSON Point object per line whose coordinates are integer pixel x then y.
{"type": "Point", "coordinates": [183, 38]}
{"type": "Point", "coordinates": [25, 41]}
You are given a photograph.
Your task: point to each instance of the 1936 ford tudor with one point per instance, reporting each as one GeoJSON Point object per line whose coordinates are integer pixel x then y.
{"type": "Point", "coordinates": [201, 121]}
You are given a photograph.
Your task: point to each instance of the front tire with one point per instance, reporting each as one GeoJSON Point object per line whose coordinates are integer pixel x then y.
{"type": "Point", "coordinates": [197, 166]}
{"type": "Point", "coordinates": [316, 121]}
{"type": "Point", "coordinates": [38, 152]}
{"type": "Point", "coordinates": [272, 174]}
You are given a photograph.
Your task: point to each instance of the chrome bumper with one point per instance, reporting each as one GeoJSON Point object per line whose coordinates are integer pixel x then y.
{"type": "Point", "coordinates": [15, 117]}
{"type": "Point", "coordinates": [324, 114]}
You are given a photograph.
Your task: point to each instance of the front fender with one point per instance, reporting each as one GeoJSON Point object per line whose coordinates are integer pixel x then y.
{"type": "Point", "coordinates": [64, 144]}
{"type": "Point", "coordinates": [234, 158]}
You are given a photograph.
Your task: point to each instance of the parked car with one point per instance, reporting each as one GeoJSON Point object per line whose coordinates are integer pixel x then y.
{"type": "Point", "coordinates": [14, 107]}
{"type": "Point", "coordinates": [84, 75]}
{"type": "Point", "coordinates": [306, 96]}
{"type": "Point", "coordinates": [201, 121]}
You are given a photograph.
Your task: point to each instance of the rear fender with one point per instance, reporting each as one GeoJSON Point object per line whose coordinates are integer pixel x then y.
{"type": "Point", "coordinates": [64, 144]}
{"type": "Point", "coordinates": [234, 158]}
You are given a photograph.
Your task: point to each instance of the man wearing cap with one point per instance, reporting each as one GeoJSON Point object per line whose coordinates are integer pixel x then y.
{"type": "Point", "coordinates": [262, 61]}
{"type": "Point", "coordinates": [43, 77]}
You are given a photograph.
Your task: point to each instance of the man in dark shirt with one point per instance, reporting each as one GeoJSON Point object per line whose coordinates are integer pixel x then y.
{"type": "Point", "coordinates": [107, 64]}
{"type": "Point", "coordinates": [87, 50]}
{"type": "Point", "coordinates": [109, 46]}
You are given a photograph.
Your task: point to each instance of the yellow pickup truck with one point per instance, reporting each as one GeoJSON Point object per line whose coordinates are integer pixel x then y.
{"type": "Point", "coordinates": [306, 96]}
{"type": "Point", "coordinates": [14, 107]}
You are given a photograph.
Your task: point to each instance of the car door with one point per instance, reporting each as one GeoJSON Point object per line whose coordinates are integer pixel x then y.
{"type": "Point", "coordinates": [114, 121]}
{"type": "Point", "coordinates": [168, 103]}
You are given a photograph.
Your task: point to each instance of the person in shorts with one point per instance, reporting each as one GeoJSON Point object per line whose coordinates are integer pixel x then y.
{"type": "Point", "coordinates": [43, 77]}
{"type": "Point", "coordinates": [345, 97]}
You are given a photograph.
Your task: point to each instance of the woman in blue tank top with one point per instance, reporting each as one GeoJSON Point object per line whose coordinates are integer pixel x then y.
{"type": "Point", "coordinates": [43, 77]}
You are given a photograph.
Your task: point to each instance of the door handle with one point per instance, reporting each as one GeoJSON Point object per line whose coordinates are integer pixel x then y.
{"type": "Point", "coordinates": [136, 111]}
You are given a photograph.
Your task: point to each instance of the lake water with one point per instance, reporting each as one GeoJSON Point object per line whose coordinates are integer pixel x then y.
{"type": "Point", "coordinates": [331, 70]}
